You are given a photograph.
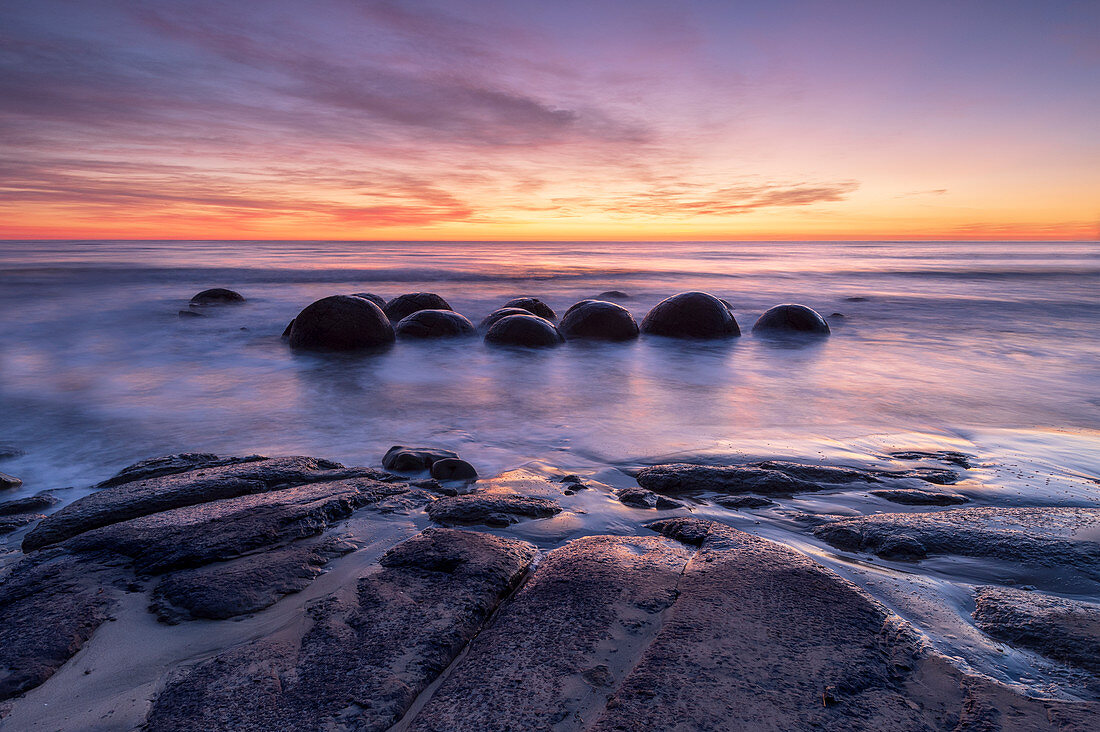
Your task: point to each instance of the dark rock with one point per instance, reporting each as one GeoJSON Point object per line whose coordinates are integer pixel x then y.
{"type": "Point", "coordinates": [217, 296]}
{"type": "Point", "coordinates": [172, 464]}
{"type": "Point", "coordinates": [837, 315]}
{"type": "Point", "coordinates": [434, 324]}
{"type": "Point", "coordinates": [691, 315]}
{"type": "Point", "coordinates": [10, 451]}
{"type": "Point", "coordinates": [403, 306]}
{"type": "Point", "coordinates": [571, 478]}
{"type": "Point", "coordinates": [523, 330]}
{"type": "Point", "coordinates": [1065, 630]}
{"type": "Point", "coordinates": [496, 315]}
{"type": "Point", "coordinates": [578, 304]}
{"type": "Point", "coordinates": [856, 299]}
{"type": "Point", "coordinates": [1043, 536]}
{"type": "Point", "coordinates": [340, 323]}
{"type": "Point", "coordinates": [613, 295]}
{"type": "Point", "coordinates": [947, 456]}
{"type": "Point", "coordinates": [376, 299]}
{"type": "Point", "coordinates": [453, 469]}
{"type": "Point", "coordinates": [9, 481]}
{"type": "Point", "coordinates": [599, 320]}
{"type": "Point", "coordinates": [413, 459]}
{"type": "Point", "coordinates": [365, 659]}
{"type": "Point", "coordinates": [30, 504]}
{"type": "Point", "coordinates": [553, 654]}
{"type": "Point", "coordinates": [911, 497]}
{"type": "Point", "coordinates": [791, 319]}
{"type": "Point", "coordinates": [532, 305]}
{"type": "Point", "coordinates": [247, 585]}
{"type": "Point", "coordinates": [490, 509]}
{"type": "Point", "coordinates": [165, 492]}
{"type": "Point", "coordinates": [191, 314]}
{"type": "Point", "coordinates": [641, 498]}
{"type": "Point", "coordinates": [939, 476]}
{"type": "Point", "coordinates": [767, 478]}
{"type": "Point", "coordinates": [286, 331]}
{"type": "Point", "coordinates": [11, 523]}
{"type": "Point", "coordinates": [739, 502]}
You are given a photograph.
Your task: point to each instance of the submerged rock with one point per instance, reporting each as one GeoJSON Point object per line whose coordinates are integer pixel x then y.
{"type": "Point", "coordinates": [613, 295]}
{"type": "Point", "coordinates": [947, 456]}
{"type": "Point", "coordinates": [405, 305]}
{"type": "Point", "coordinates": [217, 296]}
{"type": "Point", "coordinates": [412, 459]}
{"type": "Point", "coordinates": [791, 319]}
{"type": "Point", "coordinates": [912, 497]}
{"type": "Point", "coordinates": [9, 481]}
{"type": "Point", "coordinates": [453, 469]}
{"type": "Point", "coordinates": [641, 498]}
{"type": "Point", "coordinates": [17, 521]}
{"type": "Point", "coordinates": [523, 330]}
{"type": "Point", "coordinates": [340, 323]}
{"type": "Point", "coordinates": [739, 502]}
{"type": "Point", "coordinates": [599, 320]}
{"type": "Point", "coordinates": [490, 509]}
{"type": "Point", "coordinates": [434, 324]}
{"type": "Point", "coordinates": [769, 478]}
{"type": "Point", "coordinates": [691, 315]}
{"type": "Point", "coordinates": [30, 504]}
{"type": "Point", "coordinates": [532, 305]}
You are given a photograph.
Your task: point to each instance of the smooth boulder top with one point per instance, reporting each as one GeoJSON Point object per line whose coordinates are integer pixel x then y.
{"type": "Point", "coordinates": [791, 318]}
{"type": "Point", "coordinates": [599, 320]}
{"type": "Point", "coordinates": [496, 315]}
{"type": "Point", "coordinates": [524, 330]}
{"type": "Point", "coordinates": [434, 324]}
{"type": "Point", "coordinates": [340, 323]}
{"type": "Point", "coordinates": [407, 459]}
{"type": "Point", "coordinates": [453, 469]}
{"type": "Point", "coordinates": [691, 315]}
{"type": "Point", "coordinates": [576, 305]}
{"type": "Point", "coordinates": [532, 305]}
{"type": "Point", "coordinates": [217, 296]}
{"type": "Point", "coordinates": [405, 305]}
{"type": "Point", "coordinates": [376, 299]}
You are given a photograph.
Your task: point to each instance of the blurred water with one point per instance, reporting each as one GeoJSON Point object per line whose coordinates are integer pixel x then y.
{"type": "Point", "coordinates": [97, 370]}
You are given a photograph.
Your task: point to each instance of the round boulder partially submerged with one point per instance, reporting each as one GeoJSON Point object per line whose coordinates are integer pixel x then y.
{"type": "Point", "coordinates": [405, 305]}
{"type": "Point", "coordinates": [453, 469]}
{"type": "Point", "coordinates": [599, 320]}
{"type": "Point", "coordinates": [340, 323]}
{"type": "Point", "coordinates": [376, 299]}
{"type": "Point", "coordinates": [791, 318]}
{"type": "Point", "coordinates": [217, 296]}
{"type": "Point", "coordinates": [576, 305]}
{"type": "Point", "coordinates": [532, 305]}
{"type": "Point", "coordinates": [691, 315]}
{"type": "Point", "coordinates": [434, 324]}
{"type": "Point", "coordinates": [523, 330]}
{"type": "Point", "coordinates": [496, 315]}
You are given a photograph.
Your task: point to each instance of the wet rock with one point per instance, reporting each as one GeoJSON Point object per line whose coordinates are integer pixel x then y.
{"type": "Point", "coordinates": [1059, 628]}
{"type": "Point", "coordinates": [453, 469]}
{"type": "Point", "coordinates": [247, 585]}
{"type": "Point", "coordinates": [767, 478]}
{"type": "Point", "coordinates": [376, 299]}
{"type": "Point", "coordinates": [164, 492]}
{"type": "Point", "coordinates": [217, 296]}
{"type": "Point", "coordinates": [10, 451]}
{"type": "Point", "coordinates": [791, 319]}
{"type": "Point", "coordinates": [9, 481]}
{"type": "Point", "coordinates": [837, 315]}
{"type": "Point", "coordinates": [172, 464]}
{"type": "Point", "coordinates": [286, 331]}
{"type": "Point", "coordinates": [14, 522]}
{"type": "Point", "coordinates": [365, 659]}
{"type": "Point", "coordinates": [554, 652]}
{"type": "Point", "coordinates": [947, 456]}
{"type": "Point", "coordinates": [641, 498]}
{"type": "Point", "coordinates": [340, 323]}
{"type": "Point", "coordinates": [190, 314]}
{"type": "Point", "coordinates": [578, 304]}
{"type": "Point", "coordinates": [490, 509]}
{"type": "Point", "coordinates": [523, 330]}
{"type": "Point", "coordinates": [411, 459]}
{"type": "Point", "coordinates": [403, 306]}
{"type": "Point", "coordinates": [598, 320]}
{"type": "Point", "coordinates": [613, 295]}
{"type": "Point", "coordinates": [496, 315]}
{"type": "Point", "coordinates": [1044, 536]}
{"type": "Point", "coordinates": [691, 315]}
{"type": "Point", "coordinates": [33, 503]}
{"type": "Point", "coordinates": [739, 502]}
{"type": "Point", "coordinates": [856, 299]}
{"type": "Point", "coordinates": [939, 476]}
{"type": "Point", "coordinates": [911, 497]}
{"type": "Point", "coordinates": [532, 305]}
{"type": "Point", "coordinates": [434, 324]}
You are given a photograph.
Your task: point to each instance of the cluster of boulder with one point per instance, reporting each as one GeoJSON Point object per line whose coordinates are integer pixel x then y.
{"type": "Point", "coordinates": [365, 320]}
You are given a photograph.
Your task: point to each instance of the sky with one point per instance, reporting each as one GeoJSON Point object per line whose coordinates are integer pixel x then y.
{"type": "Point", "coordinates": [516, 120]}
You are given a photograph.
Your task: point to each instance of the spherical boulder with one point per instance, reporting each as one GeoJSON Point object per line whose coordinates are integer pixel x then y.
{"type": "Point", "coordinates": [496, 315]}
{"type": "Point", "coordinates": [217, 296]}
{"type": "Point", "coordinates": [434, 324]}
{"type": "Point", "coordinates": [405, 305]}
{"type": "Point", "coordinates": [523, 330]}
{"type": "Point", "coordinates": [340, 323]}
{"type": "Point", "coordinates": [791, 318]}
{"type": "Point", "coordinates": [613, 295]}
{"type": "Point", "coordinates": [691, 315]}
{"type": "Point", "coordinates": [376, 299]}
{"type": "Point", "coordinates": [599, 320]}
{"type": "Point", "coordinates": [453, 469]}
{"type": "Point", "coordinates": [576, 305]}
{"type": "Point", "coordinates": [532, 305]}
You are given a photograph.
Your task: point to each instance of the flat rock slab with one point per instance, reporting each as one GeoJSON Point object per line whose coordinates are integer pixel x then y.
{"type": "Point", "coordinates": [913, 497]}
{"type": "Point", "coordinates": [641, 498]}
{"type": "Point", "coordinates": [557, 649]}
{"type": "Point", "coordinates": [174, 490]}
{"type": "Point", "coordinates": [1047, 536]}
{"type": "Point", "coordinates": [365, 658]}
{"type": "Point", "coordinates": [1058, 628]}
{"type": "Point", "coordinates": [30, 504]}
{"type": "Point", "coordinates": [171, 464]}
{"type": "Point", "coordinates": [514, 496]}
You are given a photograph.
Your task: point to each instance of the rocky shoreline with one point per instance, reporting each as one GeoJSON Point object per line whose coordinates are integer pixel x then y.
{"type": "Point", "coordinates": [295, 593]}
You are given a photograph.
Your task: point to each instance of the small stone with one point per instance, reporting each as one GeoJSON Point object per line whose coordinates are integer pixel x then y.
{"type": "Point", "coordinates": [217, 296]}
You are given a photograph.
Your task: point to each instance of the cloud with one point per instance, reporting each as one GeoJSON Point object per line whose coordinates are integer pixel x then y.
{"type": "Point", "coordinates": [684, 200]}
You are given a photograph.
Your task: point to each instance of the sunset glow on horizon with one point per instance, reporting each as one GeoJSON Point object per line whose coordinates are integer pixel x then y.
{"type": "Point", "coordinates": [540, 121]}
